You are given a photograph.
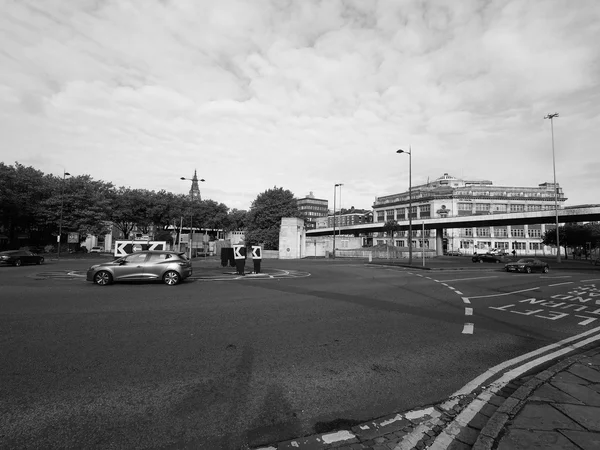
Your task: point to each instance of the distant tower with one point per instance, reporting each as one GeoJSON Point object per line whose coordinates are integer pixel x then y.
{"type": "Point", "coordinates": [195, 190]}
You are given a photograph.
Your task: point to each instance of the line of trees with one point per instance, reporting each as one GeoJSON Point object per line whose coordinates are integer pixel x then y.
{"type": "Point", "coordinates": [35, 204]}
{"type": "Point", "coordinates": [580, 238]}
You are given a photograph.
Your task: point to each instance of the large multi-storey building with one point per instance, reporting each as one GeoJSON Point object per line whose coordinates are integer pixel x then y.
{"type": "Point", "coordinates": [311, 208]}
{"type": "Point", "coordinates": [449, 196]}
{"type": "Point", "coordinates": [347, 218]}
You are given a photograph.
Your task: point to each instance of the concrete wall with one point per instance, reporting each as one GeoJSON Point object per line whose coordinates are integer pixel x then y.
{"type": "Point", "coordinates": [292, 238]}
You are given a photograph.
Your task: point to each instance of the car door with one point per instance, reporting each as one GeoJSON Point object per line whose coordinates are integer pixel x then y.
{"type": "Point", "coordinates": [156, 265]}
{"type": "Point", "coordinates": [131, 267]}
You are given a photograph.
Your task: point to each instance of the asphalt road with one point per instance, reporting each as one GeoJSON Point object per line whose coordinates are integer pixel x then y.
{"type": "Point", "coordinates": [230, 363]}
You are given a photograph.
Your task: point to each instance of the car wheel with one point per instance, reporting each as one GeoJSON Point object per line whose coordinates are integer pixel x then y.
{"type": "Point", "coordinates": [171, 278]}
{"type": "Point", "coordinates": [103, 278]}
{"type": "Point", "coordinates": [528, 269]}
{"type": "Point", "coordinates": [481, 261]}
{"type": "Point", "coordinates": [17, 263]}
{"type": "Point", "coordinates": [545, 269]}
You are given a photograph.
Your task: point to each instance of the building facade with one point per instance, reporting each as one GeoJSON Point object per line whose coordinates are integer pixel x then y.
{"type": "Point", "coordinates": [450, 197]}
{"type": "Point", "coordinates": [312, 208]}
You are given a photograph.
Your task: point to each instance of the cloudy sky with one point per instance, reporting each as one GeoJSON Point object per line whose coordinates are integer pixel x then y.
{"type": "Point", "coordinates": [302, 94]}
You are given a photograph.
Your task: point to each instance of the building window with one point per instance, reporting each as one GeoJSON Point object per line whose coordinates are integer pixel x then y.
{"type": "Point", "coordinates": [401, 214]}
{"type": "Point", "coordinates": [466, 244]}
{"type": "Point", "coordinates": [483, 232]}
{"type": "Point", "coordinates": [425, 210]}
{"type": "Point", "coordinates": [482, 208]}
{"type": "Point", "coordinates": [468, 232]}
{"type": "Point", "coordinates": [535, 246]}
{"type": "Point", "coordinates": [500, 232]}
{"type": "Point", "coordinates": [399, 243]}
{"type": "Point", "coordinates": [389, 214]}
{"type": "Point", "coordinates": [517, 232]}
{"type": "Point", "coordinates": [501, 245]}
{"type": "Point", "coordinates": [517, 207]}
{"type": "Point", "coordinates": [535, 233]}
{"type": "Point", "coordinates": [380, 216]}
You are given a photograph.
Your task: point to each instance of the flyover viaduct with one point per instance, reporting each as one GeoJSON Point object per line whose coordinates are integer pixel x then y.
{"type": "Point", "coordinates": [583, 213]}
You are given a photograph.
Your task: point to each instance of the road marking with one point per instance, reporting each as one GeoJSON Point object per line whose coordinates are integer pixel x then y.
{"type": "Point", "coordinates": [472, 278]}
{"type": "Point", "coordinates": [506, 293]}
{"type": "Point", "coordinates": [448, 435]}
{"type": "Point", "coordinates": [458, 292]}
{"type": "Point", "coordinates": [466, 300]}
{"type": "Point", "coordinates": [476, 382]}
{"type": "Point", "coordinates": [468, 328]}
{"type": "Point", "coordinates": [468, 311]}
{"type": "Point", "coordinates": [560, 284]}
{"type": "Point", "coordinates": [593, 279]}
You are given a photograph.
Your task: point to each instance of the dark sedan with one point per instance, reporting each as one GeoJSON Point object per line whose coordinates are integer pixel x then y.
{"type": "Point", "coordinates": [487, 257]}
{"type": "Point", "coordinates": [527, 265]}
{"type": "Point", "coordinates": [19, 257]}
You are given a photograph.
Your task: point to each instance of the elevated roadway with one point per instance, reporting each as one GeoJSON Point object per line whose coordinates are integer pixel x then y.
{"type": "Point", "coordinates": [586, 213]}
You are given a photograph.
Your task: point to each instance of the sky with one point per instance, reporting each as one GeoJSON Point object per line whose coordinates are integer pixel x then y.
{"type": "Point", "coordinates": [303, 94]}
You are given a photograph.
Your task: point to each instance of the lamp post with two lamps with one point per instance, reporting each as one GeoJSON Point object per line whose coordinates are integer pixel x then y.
{"type": "Point", "coordinates": [62, 195]}
{"type": "Point", "coordinates": [551, 117]}
{"type": "Point", "coordinates": [410, 247]}
{"type": "Point", "coordinates": [194, 184]}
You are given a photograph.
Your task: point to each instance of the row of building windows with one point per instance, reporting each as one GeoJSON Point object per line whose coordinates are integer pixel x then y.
{"type": "Point", "coordinates": [468, 244]}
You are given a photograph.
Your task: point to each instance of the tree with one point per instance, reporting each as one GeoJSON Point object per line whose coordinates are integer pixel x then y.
{"type": "Point", "coordinates": [572, 235]}
{"type": "Point", "coordinates": [236, 220]}
{"type": "Point", "coordinates": [265, 214]}
{"type": "Point", "coordinates": [390, 227]}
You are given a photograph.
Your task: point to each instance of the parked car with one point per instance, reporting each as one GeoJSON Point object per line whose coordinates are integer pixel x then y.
{"type": "Point", "coordinates": [487, 257]}
{"type": "Point", "coordinates": [453, 253]}
{"type": "Point", "coordinates": [170, 267]}
{"type": "Point", "coordinates": [96, 250]}
{"type": "Point", "coordinates": [19, 257]}
{"type": "Point", "coordinates": [527, 265]}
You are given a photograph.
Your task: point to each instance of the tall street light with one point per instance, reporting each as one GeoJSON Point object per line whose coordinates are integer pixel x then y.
{"type": "Point", "coordinates": [551, 117]}
{"type": "Point", "coordinates": [410, 247]}
{"type": "Point", "coordinates": [62, 194]}
{"type": "Point", "coordinates": [334, 193]}
{"type": "Point", "coordinates": [340, 185]}
{"type": "Point", "coordinates": [194, 183]}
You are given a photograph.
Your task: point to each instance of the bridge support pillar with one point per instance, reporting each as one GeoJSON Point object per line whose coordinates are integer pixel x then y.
{"type": "Point", "coordinates": [439, 243]}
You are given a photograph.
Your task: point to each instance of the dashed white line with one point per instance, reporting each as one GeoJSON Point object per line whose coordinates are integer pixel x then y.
{"type": "Point", "coordinates": [473, 278]}
{"type": "Point", "coordinates": [466, 300]}
{"type": "Point", "coordinates": [560, 284]}
{"type": "Point", "coordinates": [468, 311]}
{"type": "Point", "coordinates": [468, 328]}
{"type": "Point", "coordinates": [458, 292]}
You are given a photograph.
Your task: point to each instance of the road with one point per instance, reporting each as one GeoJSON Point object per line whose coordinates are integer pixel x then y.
{"type": "Point", "coordinates": [221, 362]}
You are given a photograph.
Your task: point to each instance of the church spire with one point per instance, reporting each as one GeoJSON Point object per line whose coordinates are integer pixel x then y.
{"type": "Point", "coordinates": [195, 190]}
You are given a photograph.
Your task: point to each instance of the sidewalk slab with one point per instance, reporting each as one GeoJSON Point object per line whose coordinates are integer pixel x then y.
{"type": "Point", "coordinates": [588, 416]}
{"type": "Point", "coordinates": [518, 439]}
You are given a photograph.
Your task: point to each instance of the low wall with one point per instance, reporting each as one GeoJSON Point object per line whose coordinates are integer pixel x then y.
{"type": "Point", "coordinates": [270, 254]}
{"type": "Point", "coordinates": [381, 254]}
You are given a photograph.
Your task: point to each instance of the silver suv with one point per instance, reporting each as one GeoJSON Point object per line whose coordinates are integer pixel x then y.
{"type": "Point", "coordinates": [170, 267]}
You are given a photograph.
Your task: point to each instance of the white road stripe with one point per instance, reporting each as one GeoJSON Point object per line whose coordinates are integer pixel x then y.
{"type": "Point", "coordinates": [447, 436]}
{"type": "Point", "coordinates": [476, 382]}
{"type": "Point", "coordinates": [458, 292]}
{"type": "Point", "coordinates": [506, 293]}
{"type": "Point", "coordinates": [473, 278]}
{"type": "Point", "coordinates": [468, 311]}
{"type": "Point", "coordinates": [560, 284]}
{"type": "Point", "coordinates": [593, 279]}
{"type": "Point", "coordinates": [468, 328]}
{"type": "Point", "coordinates": [466, 300]}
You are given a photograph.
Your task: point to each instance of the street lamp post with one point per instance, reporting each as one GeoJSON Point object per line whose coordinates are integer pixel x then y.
{"type": "Point", "coordinates": [334, 193]}
{"type": "Point", "coordinates": [62, 194]}
{"type": "Point", "coordinates": [340, 185]}
{"type": "Point", "coordinates": [191, 209]}
{"type": "Point", "coordinates": [410, 247]}
{"type": "Point", "coordinates": [551, 117]}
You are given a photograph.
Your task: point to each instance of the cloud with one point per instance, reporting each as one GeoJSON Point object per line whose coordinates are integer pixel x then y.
{"type": "Point", "coordinates": [301, 94]}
